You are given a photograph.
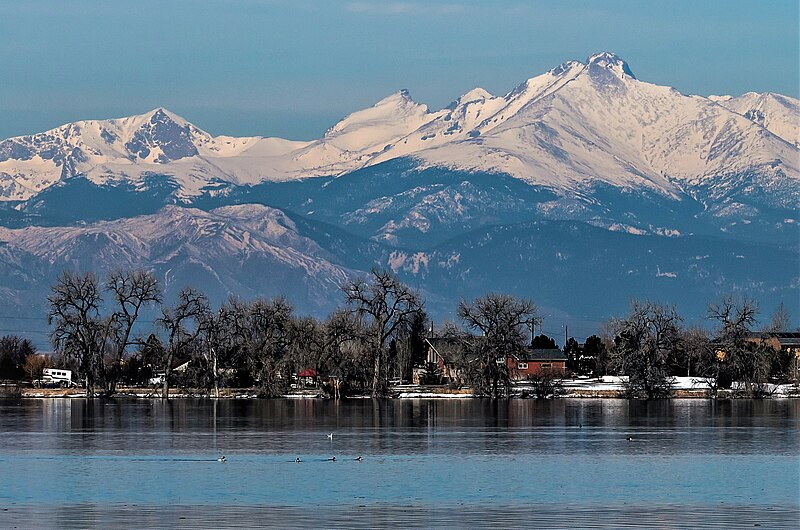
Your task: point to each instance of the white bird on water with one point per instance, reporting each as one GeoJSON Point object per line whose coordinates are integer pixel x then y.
{"type": "Point", "coordinates": [330, 436]}
{"type": "Point", "coordinates": [222, 459]}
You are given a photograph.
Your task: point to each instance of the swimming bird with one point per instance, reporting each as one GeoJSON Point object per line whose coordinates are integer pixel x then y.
{"type": "Point", "coordinates": [330, 436]}
{"type": "Point", "coordinates": [630, 439]}
{"type": "Point", "coordinates": [360, 459]}
{"type": "Point", "coordinates": [297, 460]}
{"type": "Point", "coordinates": [332, 459]}
{"type": "Point", "coordinates": [222, 459]}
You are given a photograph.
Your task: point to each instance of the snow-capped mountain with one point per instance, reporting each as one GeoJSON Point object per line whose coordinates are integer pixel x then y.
{"type": "Point", "coordinates": [129, 149]}
{"type": "Point", "coordinates": [577, 125]}
{"type": "Point", "coordinates": [611, 186]}
{"type": "Point", "coordinates": [778, 114]}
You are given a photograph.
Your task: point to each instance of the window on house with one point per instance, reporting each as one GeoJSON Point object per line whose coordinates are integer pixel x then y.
{"type": "Point", "coordinates": [547, 365]}
{"type": "Point", "coordinates": [522, 366]}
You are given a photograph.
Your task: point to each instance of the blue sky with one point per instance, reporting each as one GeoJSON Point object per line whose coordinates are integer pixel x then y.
{"type": "Point", "coordinates": [293, 68]}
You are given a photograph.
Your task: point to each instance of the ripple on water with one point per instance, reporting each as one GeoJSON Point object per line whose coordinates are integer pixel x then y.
{"type": "Point", "coordinates": [399, 516]}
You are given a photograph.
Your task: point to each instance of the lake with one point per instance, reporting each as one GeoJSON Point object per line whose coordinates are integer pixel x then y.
{"type": "Point", "coordinates": [73, 463]}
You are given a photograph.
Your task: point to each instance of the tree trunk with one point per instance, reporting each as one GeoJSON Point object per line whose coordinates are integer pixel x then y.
{"type": "Point", "coordinates": [216, 377]}
{"type": "Point", "coordinates": [376, 376]}
{"type": "Point", "coordinates": [167, 374]}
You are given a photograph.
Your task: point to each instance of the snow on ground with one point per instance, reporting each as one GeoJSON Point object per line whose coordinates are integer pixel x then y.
{"type": "Point", "coordinates": [427, 395]}
{"type": "Point", "coordinates": [617, 383]}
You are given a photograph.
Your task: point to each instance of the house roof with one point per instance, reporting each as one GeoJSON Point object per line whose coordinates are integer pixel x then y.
{"type": "Point", "coordinates": [785, 338]}
{"type": "Point", "coordinates": [181, 367]}
{"type": "Point", "coordinates": [308, 372]}
{"type": "Point", "coordinates": [447, 346]}
{"type": "Point", "coordinates": [542, 354]}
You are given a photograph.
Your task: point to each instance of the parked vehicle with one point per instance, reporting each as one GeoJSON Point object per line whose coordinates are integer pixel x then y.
{"type": "Point", "coordinates": [55, 377]}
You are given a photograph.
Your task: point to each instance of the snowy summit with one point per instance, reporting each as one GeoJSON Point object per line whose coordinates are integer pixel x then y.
{"type": "Point", "coordinates": [574, 126]}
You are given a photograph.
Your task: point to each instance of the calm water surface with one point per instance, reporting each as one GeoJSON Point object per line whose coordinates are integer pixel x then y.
{"type": "Point", "coordinates": [457, 463]}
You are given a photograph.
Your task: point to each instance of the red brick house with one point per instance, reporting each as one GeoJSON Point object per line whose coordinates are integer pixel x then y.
{"type": "Point", "coordinates": [533, 361]}
{"type": "Point", "coordinates": [443, 352]}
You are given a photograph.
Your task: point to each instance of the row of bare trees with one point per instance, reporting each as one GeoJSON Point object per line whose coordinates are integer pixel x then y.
{"type": "Point", "coordinates": [651, 344]}
{"type": "Point", "coordinates": [93, 338]}
{"type": "Point", "coordinates": [98, 327]}
{"type": "Point", "coordinates": [376, 335]}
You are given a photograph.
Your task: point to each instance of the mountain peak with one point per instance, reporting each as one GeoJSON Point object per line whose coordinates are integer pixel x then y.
{"type": "Point", "coordinates": [162, 137]}
{"type": "Point", "coordinates": [565, 67]}
{"type": "Point", "coordinates": [476, 94]}
{"type": "Point", "coordinates": [402, 96]}
{"type": "Point", "coordinates": [610, 61]}
{"type": "Point", "coordinates": [161, 115]}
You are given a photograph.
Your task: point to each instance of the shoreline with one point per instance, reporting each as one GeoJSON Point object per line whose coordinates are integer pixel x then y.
{"type": "Point", "coordinates": [603, 387]}
{"type": "Point", "coordinates": [397, 393]}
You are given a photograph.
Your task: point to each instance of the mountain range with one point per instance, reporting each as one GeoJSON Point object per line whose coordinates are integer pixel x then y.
{"type": "Point", "coordinates": [582, 188]}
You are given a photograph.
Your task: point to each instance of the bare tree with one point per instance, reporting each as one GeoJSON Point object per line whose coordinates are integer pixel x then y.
{"type": "Point", "coordinates": [131, 291]}
{"type": "Point", "coordinates": [386, 307]}
{"type": "Point", "coordinates": [232, 334]}
{"type": "Point", "coordinates": [748, 362]}
{"type": "Point", "coordinates": [345, 357]}
{"type": "Point", "coordinates": [546, 383]}
{"type": "Point", "coordinates": [80, 333]}
{"type": "Point", "coordinates": [504, 323]}
{"type": "Point", "coordinates": [735, 317]}
{"type": "Point", "coordinates": [781, 320]}
{"type": "Point", "coordinates": [307, 344]}
{"type": "Point", "coordinates": [267, 341]}
{"type": "Point", "coordinates": [644, 342]}
{"type": "Point", "coordinates": [212, 340]}
{"type": "Point", "coordinates": [256, 338]}
{"type": "Point", "coordinates": [183, 323]}
{"type": "Point", "coordinates": [34, 365]}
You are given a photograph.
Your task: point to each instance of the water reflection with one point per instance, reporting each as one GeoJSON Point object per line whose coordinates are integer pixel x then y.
{"type": "Point", "coordinates": [411, 516]}
{"type": "Point", "coordinates": [722, 426]}
{"type": "Point", "coordinates": [85, 463]}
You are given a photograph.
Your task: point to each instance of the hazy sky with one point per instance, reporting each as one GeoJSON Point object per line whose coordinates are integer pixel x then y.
{"type": "Point", "coordinates": [292, 68]}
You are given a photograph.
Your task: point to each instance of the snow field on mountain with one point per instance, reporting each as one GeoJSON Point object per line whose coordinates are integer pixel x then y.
{"type": "Point", "coordinates": [567, 129]}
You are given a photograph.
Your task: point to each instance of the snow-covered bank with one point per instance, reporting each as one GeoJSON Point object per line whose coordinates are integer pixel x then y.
{"type": "Point", "coordinates": [581, 387]}
{"type": "Point", "coordinates": [614, 386]}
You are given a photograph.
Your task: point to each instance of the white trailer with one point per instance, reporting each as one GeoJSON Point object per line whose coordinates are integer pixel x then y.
{"type": "Point", "coordinates": [55, 377]}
